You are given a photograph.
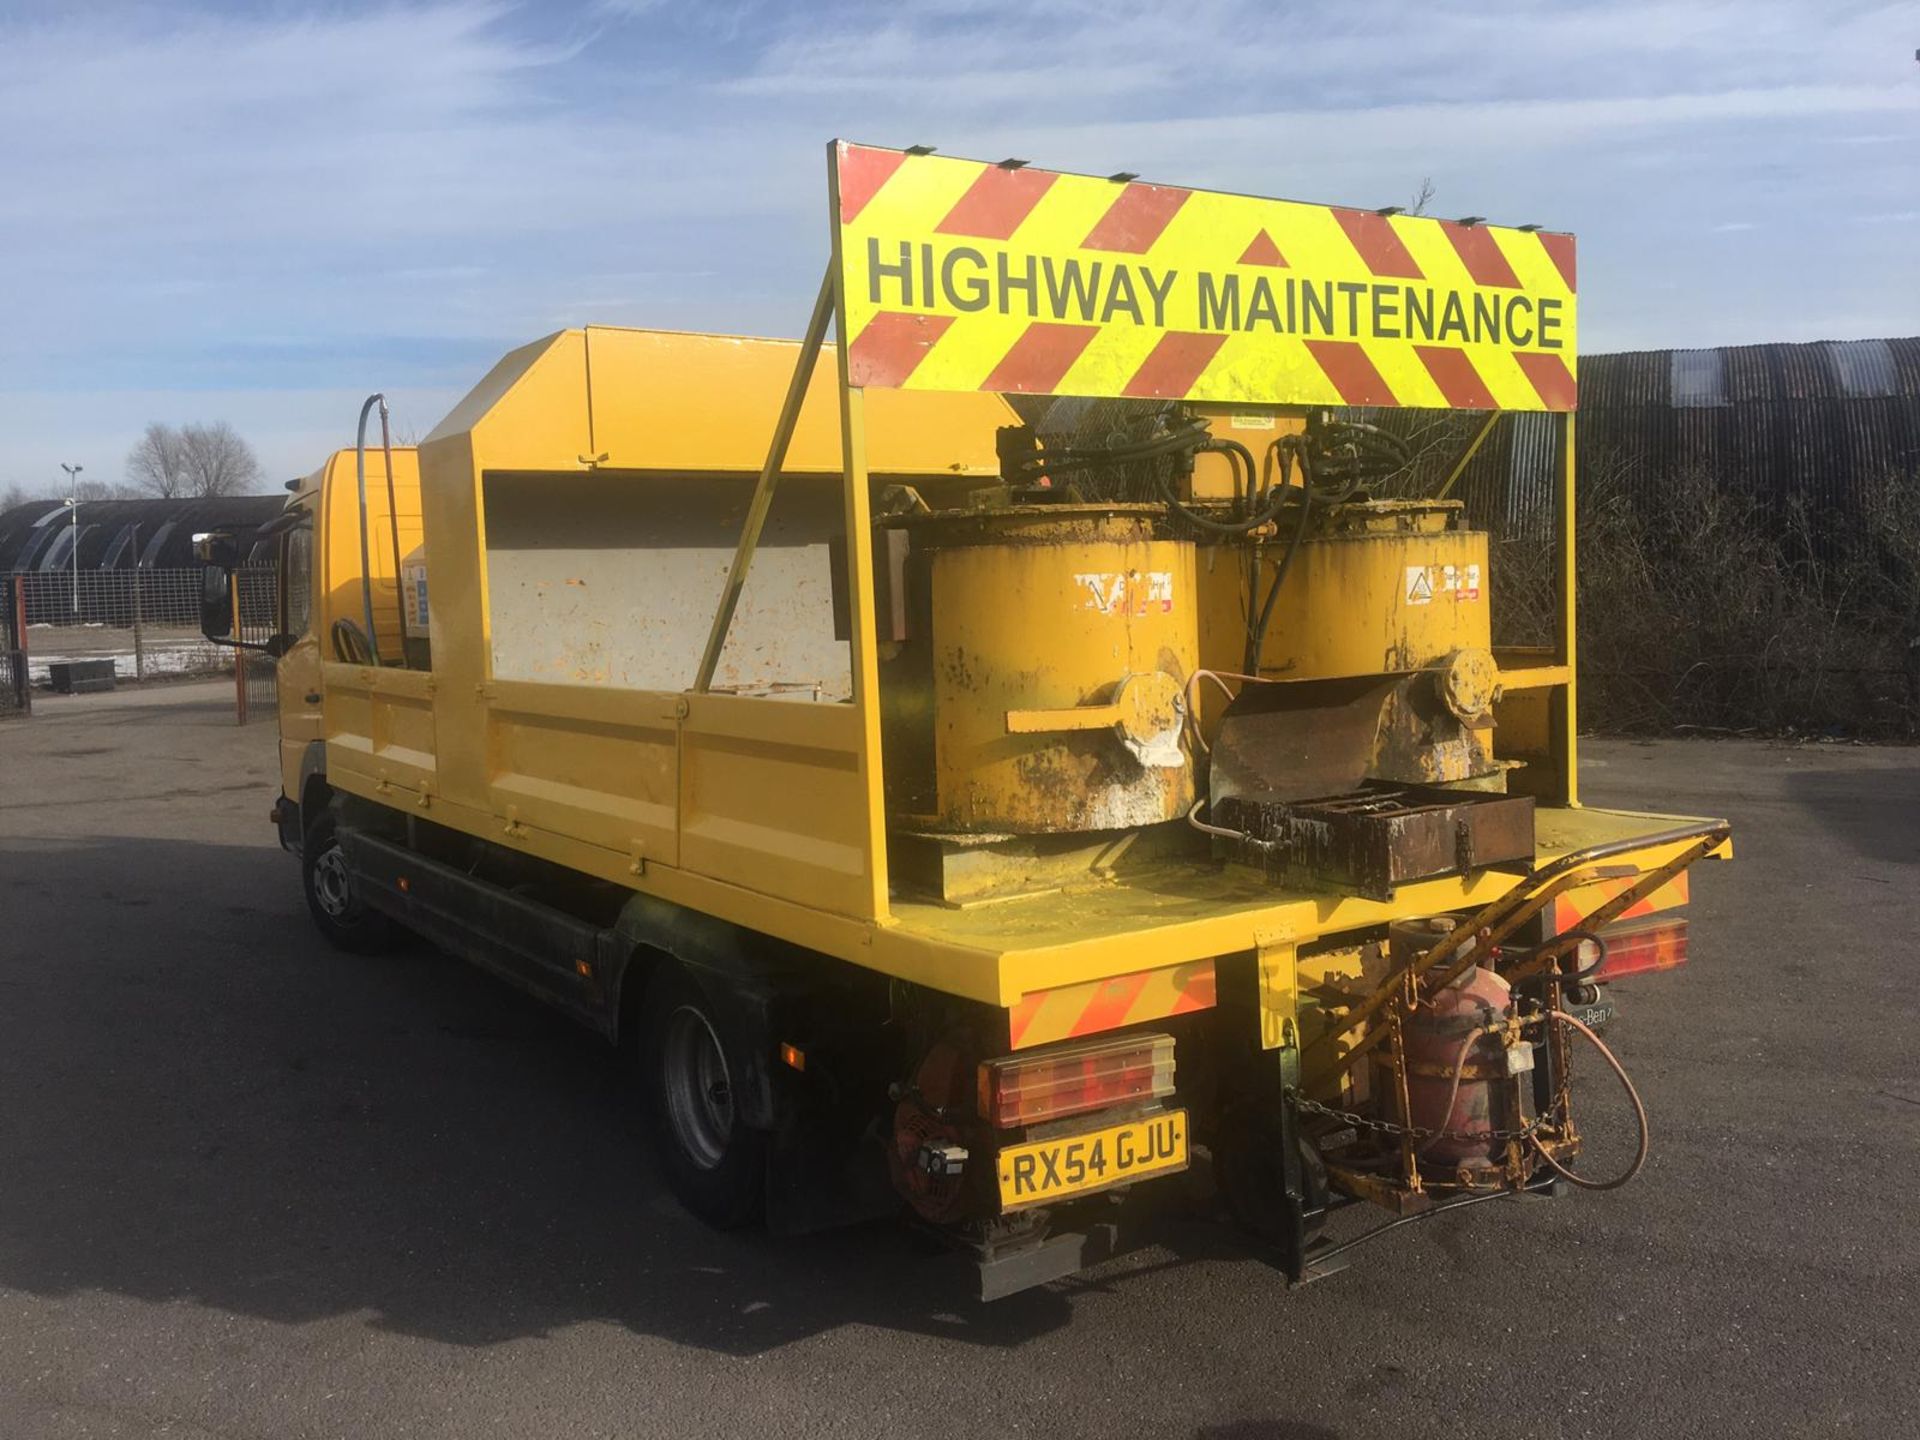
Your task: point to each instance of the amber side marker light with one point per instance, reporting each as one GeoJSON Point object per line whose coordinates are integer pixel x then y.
{"type": "Point", "coordinates": [1657, 943]}
{"type": "Point", "coordinates": [1074, 1079]}
{"type": "Point", "coordinates": [793, 1056]}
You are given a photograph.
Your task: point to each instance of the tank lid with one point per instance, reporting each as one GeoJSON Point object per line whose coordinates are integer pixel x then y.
{"type": "Point", "coordinates": [1012, 524]}
{"type": "Point", "coordinates": [1389, 517]}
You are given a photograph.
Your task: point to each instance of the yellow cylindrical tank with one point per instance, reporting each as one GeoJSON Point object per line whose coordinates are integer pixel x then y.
{"type": "Point", "coordinates": [1378, 587]}
{"type": "Point", "coordinates": [1062, 637]}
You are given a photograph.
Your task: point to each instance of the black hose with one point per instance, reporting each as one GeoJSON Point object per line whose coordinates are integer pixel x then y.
{"type": "Point", "coordinates": [1048, 462]}
{"type": "Point", "coordinates": [1236, 452]}
{"type": "Point", "coordinates": [1257, 635]}
{"type": "Point", "coordinates": [1191, 435]}
{"type": "Point", "coordinates": [1352, 449]}
{"type": "Point", "coordinates": [1218, 527]}
{"type": "Point", "coordinates": [1336, 458]}
{"type": "Point", "coordinates": [1273, 452]}
{"type": "Point", "coordinates": [1249, 517]}
{"type": "Point", "coordinates": [1321, 1257]}
{"type": "Point", "coordinates": [1589, 971]}
{"type": "Point", "coordinates": [1288, 451]}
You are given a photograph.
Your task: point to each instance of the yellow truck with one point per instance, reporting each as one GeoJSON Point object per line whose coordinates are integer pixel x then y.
{"type": "Point", "coordinates": [985, 815]}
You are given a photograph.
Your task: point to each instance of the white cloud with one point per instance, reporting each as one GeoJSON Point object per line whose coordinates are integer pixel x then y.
{"type": "Point", "coordinates": [227, 210]}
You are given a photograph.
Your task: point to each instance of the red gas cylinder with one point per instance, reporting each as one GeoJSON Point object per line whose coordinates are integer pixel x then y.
{"type": "Point", "coordinates": [1436, 1039]}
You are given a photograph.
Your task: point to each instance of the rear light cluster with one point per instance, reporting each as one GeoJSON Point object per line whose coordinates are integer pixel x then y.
{"type": "Point", "coordinates": [1659, 943]}
{"type": "Point", "coordinates": [1073, 1079]}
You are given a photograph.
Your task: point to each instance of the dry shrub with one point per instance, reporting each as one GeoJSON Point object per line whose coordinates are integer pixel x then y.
{"type": "Point", "coordinates": [1704, 609]}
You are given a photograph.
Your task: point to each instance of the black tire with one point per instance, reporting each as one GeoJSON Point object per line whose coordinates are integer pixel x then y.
{"type": "Point", "coordinates": [714, 1164]}
{"type": "Point", "coordinates": [341, 915]}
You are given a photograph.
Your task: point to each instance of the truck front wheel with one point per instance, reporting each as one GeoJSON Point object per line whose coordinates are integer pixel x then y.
{"type": "Point", "coordinates": [713, 1162]}
{"type": "Point", "coordinates": [333, 897]}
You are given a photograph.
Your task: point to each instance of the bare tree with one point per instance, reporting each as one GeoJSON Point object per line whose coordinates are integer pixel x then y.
{"type": "Point", "coordinates": [102, 490]}
{"type": "Point", "coordinates": [194, 460]}
{"type": "Point", "coordinates": [1422, 198]}
{"type": "Point", "coordinates": [219, 462]}
{"type": "Point", "coordinates": [18, 494]}
{"type": "Point", "coordinates": [159, 462]}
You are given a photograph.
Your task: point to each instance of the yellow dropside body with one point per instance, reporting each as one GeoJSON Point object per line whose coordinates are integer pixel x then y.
{"type": "Point", "coordinates": [762, 806]}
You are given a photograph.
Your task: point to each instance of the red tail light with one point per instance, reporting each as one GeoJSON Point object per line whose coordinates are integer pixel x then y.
{"type": "Point", "coordinates": [1073, 1079]}
{"type": "Point", "coordinates": [1659, 943]}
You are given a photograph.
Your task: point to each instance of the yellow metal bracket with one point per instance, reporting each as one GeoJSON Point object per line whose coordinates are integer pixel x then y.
{"type": "Point", "coordinates": [1463, 946]}
{"type": "Point", "coordinates": [1143, 706]}
{"type": "Point", "coordinates": [1466, 455]}
{"type": "Point", "coordinates": [1606, 914]}
{"type": "Point", "coordinates": [1275, 958]}
{"type": "Point", "coordinates": [1080, 717]}
{"type": "Point", "coordinates": [823, 307]}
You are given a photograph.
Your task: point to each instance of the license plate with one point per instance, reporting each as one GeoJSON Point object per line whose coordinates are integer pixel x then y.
{"type": "Point", "coordinates": [1075, 1164]}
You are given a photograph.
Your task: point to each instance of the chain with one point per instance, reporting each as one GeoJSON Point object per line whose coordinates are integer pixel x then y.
{"type": "Point", "coordinates": [1415, 1132]}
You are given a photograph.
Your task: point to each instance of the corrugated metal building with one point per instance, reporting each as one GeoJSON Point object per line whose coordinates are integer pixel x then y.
{"type": "Point", "coordinates": [1814, 423]}
{"type": "Point", "coordinates": [120, 534]}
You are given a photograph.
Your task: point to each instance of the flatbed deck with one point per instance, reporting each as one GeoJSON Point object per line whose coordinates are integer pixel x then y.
{"type": "Point", "coordinates": [1176, 912]}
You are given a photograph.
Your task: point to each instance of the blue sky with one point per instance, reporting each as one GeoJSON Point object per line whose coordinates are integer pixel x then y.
{"type": "Point", "coordinates": [259, 213]}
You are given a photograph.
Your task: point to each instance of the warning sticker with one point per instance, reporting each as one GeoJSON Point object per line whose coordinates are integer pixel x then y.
{"type": "Point", "coordinates": [1128, 592]}
{"type": "Point", "coordinates": [1447, 582]}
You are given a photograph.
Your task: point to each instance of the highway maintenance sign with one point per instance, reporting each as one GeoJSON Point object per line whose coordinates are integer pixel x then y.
{"type": "Point", "coordinates": [965, 275]}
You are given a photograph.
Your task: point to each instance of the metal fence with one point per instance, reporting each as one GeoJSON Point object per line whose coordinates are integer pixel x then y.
{"type": "Point", "coordinates": [256, 620]}
{"type": "Point", "coordinates": [16, 696]}
{"type": "Point", "coordinates": [147, 622]}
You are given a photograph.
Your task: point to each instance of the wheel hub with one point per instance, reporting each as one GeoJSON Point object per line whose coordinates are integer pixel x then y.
{"type": "Point", "coordinates": [332, 886]}
{"type": "Point", "coordinates": [699, 1091]}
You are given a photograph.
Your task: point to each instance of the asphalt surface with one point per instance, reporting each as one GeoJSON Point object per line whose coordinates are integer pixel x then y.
{"type": "Point", "coordinates": [251, 1187]}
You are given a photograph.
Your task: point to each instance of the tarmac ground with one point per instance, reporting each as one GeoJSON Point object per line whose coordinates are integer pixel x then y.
{"type": "Point", "coordinates": [251, 1187]}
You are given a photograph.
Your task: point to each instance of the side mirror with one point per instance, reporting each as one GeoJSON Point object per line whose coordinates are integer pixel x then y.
{"type": "Point", "coordinates": [216, 601]}
{"type": "Point", "coordinates": [216, 547]}
{"type": "Point", "coordinates": [278, 645]}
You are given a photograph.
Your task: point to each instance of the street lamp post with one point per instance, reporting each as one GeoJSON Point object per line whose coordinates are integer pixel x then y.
{"type": "Point", "coordinates": [73, 517]}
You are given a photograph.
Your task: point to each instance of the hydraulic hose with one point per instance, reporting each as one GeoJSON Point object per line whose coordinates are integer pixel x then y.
{"type": "Point", "coordinates": [1218, 527]}
{"type": "Point", "coordinates": [360, 473]}
{"type": "Point", "coordinates": [1252, 503]}
{"type": "Point", "coordinates": [1048, 463]}
{"type": "Point", "coordinates": [1335, 458]}
{"type": "Point", "coordinates": [1220, 678]}
{"type": "Point", "coordinates": [1193, 819]}
{"type": "Point", "coordinates": [1236, 452]}
{"type": "Point", "coordinates": [1322, 1257]}
{"type": "Point", "coordinates": [1639, 1116]}
{"type": "Point", "coordinates": [1589, 971]}
{"type": "Point", "coordinates": [1257, 635]}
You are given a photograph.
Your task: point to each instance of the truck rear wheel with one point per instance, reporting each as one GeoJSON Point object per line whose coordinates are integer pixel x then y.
{"type": "Point", "coordinates": [713, 1162]}
{"type": "Point", "coordinates": [333, 898]}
